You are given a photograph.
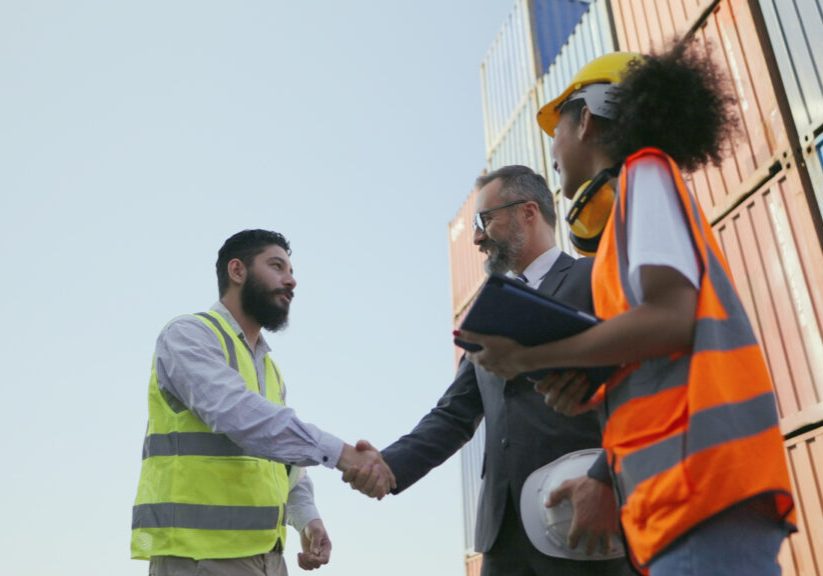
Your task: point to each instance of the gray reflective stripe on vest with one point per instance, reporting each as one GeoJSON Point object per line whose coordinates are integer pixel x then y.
{"type": "Point", "coordinates": [650, 378]}
{"type": "Point", "coordinates": [707, 429]}
{"type": "Point", "coordinates": [190, 444]}
{"type": "Point", "coordinates": [714, 335]}
{"type": "Point", "coordinates": [226, 338]}
{"type": "Point", "coordinates": [203, 517]}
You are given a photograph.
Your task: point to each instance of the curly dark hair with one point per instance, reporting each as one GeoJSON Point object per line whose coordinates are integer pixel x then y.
{"type": "Point", "coordinates": [679, 101]}
{"type": "Point", "coordinates": [245, 245]}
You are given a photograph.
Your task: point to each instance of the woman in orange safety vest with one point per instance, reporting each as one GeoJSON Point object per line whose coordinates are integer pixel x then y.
{"type": "Point", "coordinates": [690, 423]}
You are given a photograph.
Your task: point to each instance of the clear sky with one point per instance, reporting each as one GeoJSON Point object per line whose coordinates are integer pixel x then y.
{"type": "Point", "coordinates": [134, 138]}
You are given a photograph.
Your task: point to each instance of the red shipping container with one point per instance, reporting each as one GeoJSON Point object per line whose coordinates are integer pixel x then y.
{"type": "Point", "coordinates": [465, 260]}
{"type": "Point", "coordinates": [775, 258]}
{"type": "Point", "coordinates": [802, 554]}
{"type": "Point", "coordinates": [644, 25]}
{"type": "Point", "coordinates": [730, 30]}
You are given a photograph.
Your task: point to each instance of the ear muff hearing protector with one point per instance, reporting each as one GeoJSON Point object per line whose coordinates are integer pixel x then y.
{"type": "Point", "coordinates": [591, 207]}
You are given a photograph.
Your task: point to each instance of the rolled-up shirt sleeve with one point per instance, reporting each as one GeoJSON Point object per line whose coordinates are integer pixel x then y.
{"type": "Point", "coordinates": [191, 366]}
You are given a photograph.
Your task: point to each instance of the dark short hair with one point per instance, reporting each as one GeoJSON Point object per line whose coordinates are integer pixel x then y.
{"type": "Point", "coordinates": [245, 246]}
{"type": "Point", "coordinates": [522, 183]}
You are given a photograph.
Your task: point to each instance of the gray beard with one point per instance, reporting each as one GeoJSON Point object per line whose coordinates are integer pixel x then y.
{"type": "Point", "coordinates": [502, 255]}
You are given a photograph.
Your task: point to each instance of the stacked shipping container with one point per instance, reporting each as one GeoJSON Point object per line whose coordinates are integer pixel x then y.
{"type": "Point", "coordinates": [761, 205]}
{"type": "Point", "coordinates": [763, 201]}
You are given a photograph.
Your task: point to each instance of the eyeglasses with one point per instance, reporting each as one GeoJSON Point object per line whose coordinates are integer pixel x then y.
{"type": "Point", "coordinates": [480, 220]}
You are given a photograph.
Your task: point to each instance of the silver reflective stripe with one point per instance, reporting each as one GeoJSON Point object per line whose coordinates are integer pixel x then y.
{"type": "Point", "coordinates": [706, 429]}
{"type": "Point", "coordinates": [190, 444]}
{"type": "Point", "coordinates": [651, 377]}
{"type": "Point", "coordinates": [226, 338]}
{"type": "Point", "coordinates": [721, 336]}
{"type": "Point", "coordinates": [203, 517]}
{"type": "Point", "coordinates": [623, 246]}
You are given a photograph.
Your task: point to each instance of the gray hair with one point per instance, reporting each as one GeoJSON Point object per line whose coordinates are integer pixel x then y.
{"type": "Point", "coordinates": [522, 183]}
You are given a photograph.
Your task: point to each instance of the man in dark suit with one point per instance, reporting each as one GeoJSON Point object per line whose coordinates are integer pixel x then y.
{"type": "Point", "coordinates": [514, 227]}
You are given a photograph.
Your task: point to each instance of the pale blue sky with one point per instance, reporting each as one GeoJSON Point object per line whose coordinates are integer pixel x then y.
{"type": "Point", "coordinates": [134, 138]}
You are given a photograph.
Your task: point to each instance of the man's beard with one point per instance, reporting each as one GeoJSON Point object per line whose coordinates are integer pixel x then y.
{"type": "Point", "coordinates": [261, 305]}
{"type": "Point", "coordinates": [501, 254]}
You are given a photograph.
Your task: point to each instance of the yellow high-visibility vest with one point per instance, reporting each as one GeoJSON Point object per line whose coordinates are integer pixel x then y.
{"type": "Point", "coordinates": [199, 495]}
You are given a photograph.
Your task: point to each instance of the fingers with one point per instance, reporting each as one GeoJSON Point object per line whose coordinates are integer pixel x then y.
{"type": "Point", "coordinates": [366, 471]}
{"type": "Point", "coordinates": [308, 562]}
{"type": "Point", "coordinates": [316, 546]}
{"type": "Point", "coordinates": [562, 492]}
{"type": "Point", "coordinates": [564, 391]}
{"type": "Point", "coordinates": [364, 446]}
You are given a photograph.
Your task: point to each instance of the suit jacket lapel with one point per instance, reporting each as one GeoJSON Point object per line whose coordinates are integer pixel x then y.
{"type": "Point", "coordinates": [556, 274]}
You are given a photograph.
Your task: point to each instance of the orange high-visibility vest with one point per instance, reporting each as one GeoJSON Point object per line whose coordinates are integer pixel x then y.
{"type": "Point", "coordinates": [692, 434]}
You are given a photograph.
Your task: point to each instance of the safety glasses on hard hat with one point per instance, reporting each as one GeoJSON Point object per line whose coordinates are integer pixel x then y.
{"type": "Point", "coordinates": [600, 99]}
{"type": "Point", "coordinates": [480, 220]}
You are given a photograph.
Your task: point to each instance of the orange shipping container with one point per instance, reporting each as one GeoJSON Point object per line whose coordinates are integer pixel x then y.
{"type": "Point", "coordinates": [777, 265]}
{"type": "Point", "coordinates": [730, 30]}
{"type": "Point", "coordinates": [802, 555]}
{"type": "Point", "coordinates": [644, 25]}
{"type": "Point", "coordinates": [465, 261]}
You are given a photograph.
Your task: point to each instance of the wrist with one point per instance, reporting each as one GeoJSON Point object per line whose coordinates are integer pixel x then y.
{"type": "Point", "coordinates": [345, 460]}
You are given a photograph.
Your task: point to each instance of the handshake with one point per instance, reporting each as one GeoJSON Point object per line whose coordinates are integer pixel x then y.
{"type": "Point", "coordinates": [365, 470]}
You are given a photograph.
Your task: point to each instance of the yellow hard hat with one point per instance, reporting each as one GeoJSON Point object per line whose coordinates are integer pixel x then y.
{"type": "Point", "coordinates": [607, 69]}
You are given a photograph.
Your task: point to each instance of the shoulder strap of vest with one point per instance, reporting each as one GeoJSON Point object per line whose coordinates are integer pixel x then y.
{"type": "Point", "coordinates": [213, 319]}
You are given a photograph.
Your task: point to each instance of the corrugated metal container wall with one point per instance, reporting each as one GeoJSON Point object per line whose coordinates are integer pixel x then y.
{"type": "Point", "coordinates": [779, 275]}
{"type": "Point", "coordinates": [796, 34]}
{"type": "Point", "coordinates": [507, 73]}
{"type": "Point", "coordinates": [522, 143]}
{"type": "Point", "coordinates": [592, 37]}
{"type": "Point", "coordinates": [730, 31]}
{"type": "Point", "coordinates": [465, 261]}
{"type": "Point", "coordinates": [471, 461]}
{"type": "Point", "coordinates": [812, 155]}
{"type": "Point", "coordinates": [554, 21]}
{"type": "Point", "coordinates": [474, 564]}
{"type": "Point", "coordinates": [643, 25]}
{"type": "Point", "coordinates": [803, 554]}
{"type": "Point", "coordinates": [467, 274]}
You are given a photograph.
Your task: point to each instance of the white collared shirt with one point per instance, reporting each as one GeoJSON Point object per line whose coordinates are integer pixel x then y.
{"type": "Point", "coordinates": [540, 266]}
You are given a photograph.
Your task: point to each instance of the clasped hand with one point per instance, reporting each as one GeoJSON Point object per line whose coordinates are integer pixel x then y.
{"type": "Point", "coordinates": [365, 470]}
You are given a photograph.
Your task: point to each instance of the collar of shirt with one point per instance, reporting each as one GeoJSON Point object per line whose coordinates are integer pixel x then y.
{"type": "Point", "coordinates": [262, 345]}
{"type": "Point", "coordinates": [540, 266]}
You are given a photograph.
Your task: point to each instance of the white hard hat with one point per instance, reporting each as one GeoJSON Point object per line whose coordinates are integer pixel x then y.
{"type": "Point", "coordinates": [548, 528]}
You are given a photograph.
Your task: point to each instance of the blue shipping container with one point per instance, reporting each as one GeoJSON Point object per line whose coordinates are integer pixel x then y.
{"type": "Point", "coordinates": [554, 21]}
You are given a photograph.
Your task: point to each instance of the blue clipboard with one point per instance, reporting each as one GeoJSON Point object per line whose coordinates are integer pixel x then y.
{"type": "Point", "coordinates": [507, 307]}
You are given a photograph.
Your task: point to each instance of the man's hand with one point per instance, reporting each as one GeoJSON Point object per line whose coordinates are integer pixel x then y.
{"type": "Point", "coordinates": [316, 546]}
{"type": "Point", "coordinates": [563, 391]}
{"type": "Point", "coordinates": [595, 512]}
{"type": "Point", "coordinates": [364, 468]}
{"type": "Point", "coordinates": [499, 355]}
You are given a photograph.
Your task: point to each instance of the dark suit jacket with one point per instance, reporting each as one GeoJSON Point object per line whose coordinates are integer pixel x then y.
{"type": "Point", "coordinates": [522, 433]}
